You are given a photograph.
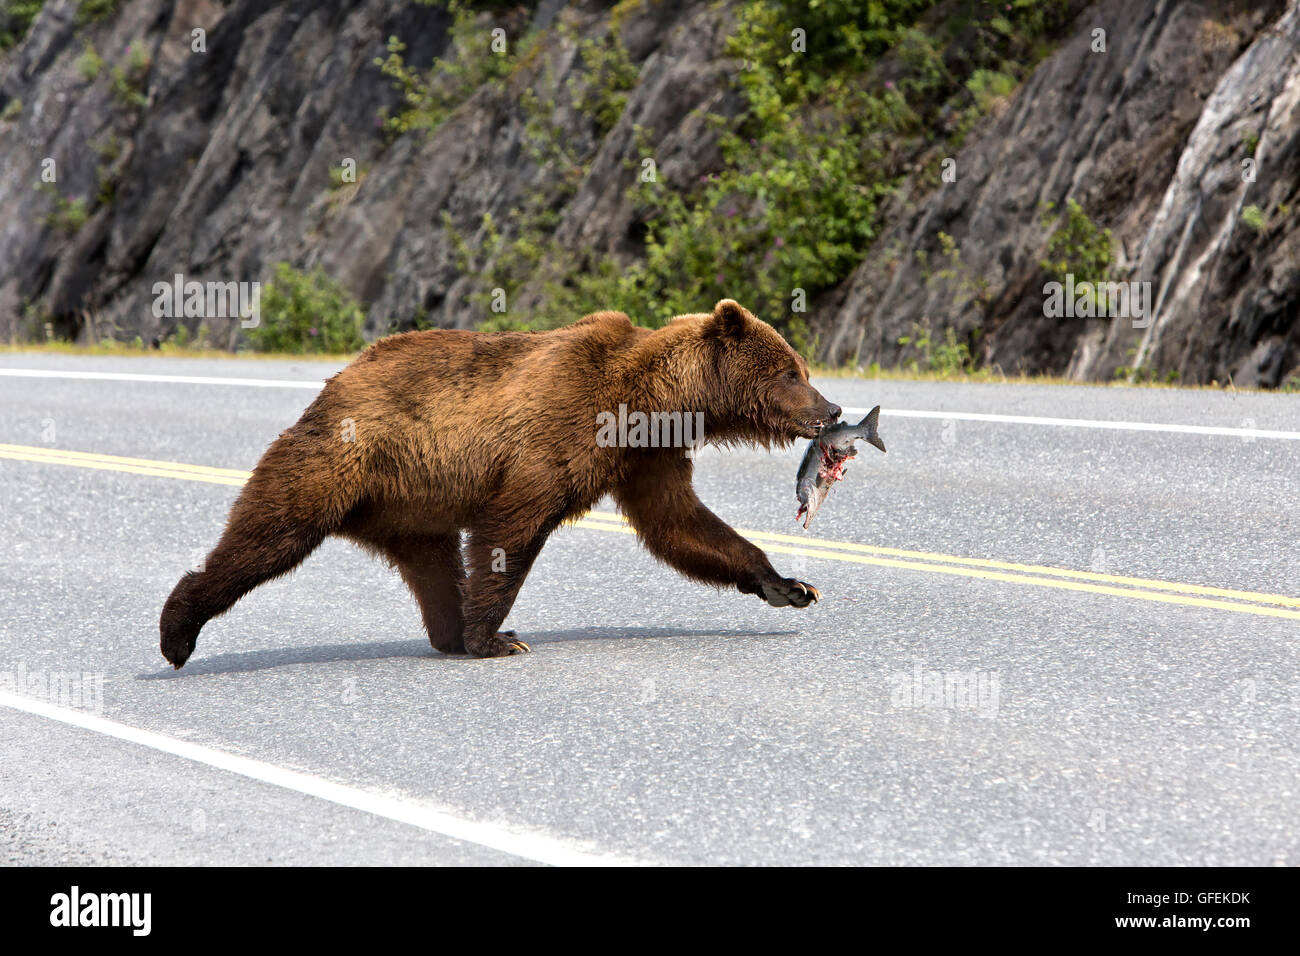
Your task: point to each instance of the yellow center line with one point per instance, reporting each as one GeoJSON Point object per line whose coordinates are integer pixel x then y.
{"type": "Point", "coordinates": [1146, 589]}
{"type": "Point", "coordinates": [1148, 583]}
{"type": "Point", "coordinates": [25, 453]}
{"type": "Point", "coordinates": [1046, 582]}
{"type": "Point", "coordinates": [141, 466]}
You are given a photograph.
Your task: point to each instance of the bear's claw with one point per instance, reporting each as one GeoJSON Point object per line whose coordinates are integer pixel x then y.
{"type": "Point", "coordinates": [501, 644]}
{"type": "Point", "coordinates": [520, 645]}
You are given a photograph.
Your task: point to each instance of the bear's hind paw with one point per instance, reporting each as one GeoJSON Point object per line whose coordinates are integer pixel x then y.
{"type": "Point", "coordinates": [502, 644]}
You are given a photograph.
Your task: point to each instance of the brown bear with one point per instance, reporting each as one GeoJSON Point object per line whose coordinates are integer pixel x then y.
{"type": "Point", "coordinates": [430, 434]}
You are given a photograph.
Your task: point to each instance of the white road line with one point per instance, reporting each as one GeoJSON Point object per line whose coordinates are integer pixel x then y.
{"type": "Point", "coordinates": [1085, 423]}
{"type": "Point", "coordinates": [894, 412]}
{"type": "Point", "coordinates": [173, 379]}
{"type": "Point", "coordinates": [537, 847]}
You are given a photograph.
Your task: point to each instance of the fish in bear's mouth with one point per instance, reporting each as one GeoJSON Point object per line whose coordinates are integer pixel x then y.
{"type": "Point", "coordinates": [823, 463]}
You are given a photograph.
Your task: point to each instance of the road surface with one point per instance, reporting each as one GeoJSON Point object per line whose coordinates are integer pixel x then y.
{"type": "Point", "coordinates": [1042, 640]}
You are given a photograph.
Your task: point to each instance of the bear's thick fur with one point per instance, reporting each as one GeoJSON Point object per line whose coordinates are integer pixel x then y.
{"type": "Point", "coordinates": [430, 434]}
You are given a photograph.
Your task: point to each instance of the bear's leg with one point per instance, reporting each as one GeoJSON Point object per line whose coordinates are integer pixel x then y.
{"type": "Point", "coordinates": [677, 528]}
{"type": "Point", "coordinates": [499, 560]}
{"type": "Point", "coordinates": [269, 533]}
{"type": "Point", "coordinates": [432, 567]}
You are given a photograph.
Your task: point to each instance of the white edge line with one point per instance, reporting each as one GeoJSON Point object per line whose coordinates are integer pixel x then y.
{"type": "Point", "coordinates": [1085, 423]}
{"type": "Point", "coordinates": [174, 379]}
{"type": "Point", "coordinates": [894, 412]}
{"type": "Point", "coordinates": [537, 847]}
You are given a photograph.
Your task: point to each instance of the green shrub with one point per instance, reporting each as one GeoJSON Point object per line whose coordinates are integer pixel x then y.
{"type": "Point", "coordinates": [90, 11]}
{"type": "Point", "coordinates": [16, 18]}
{"type": "Point", "coordinates": [128, 78]}
{"type": "Point", "coordinates": [947, 356]}
{"type": "Point", "coordinates": [989, 86]}
{"type": "Point", "coordinates": [428, 101]}
{"type": "Point", "coordinates": [89, 63]}
{"type": "Point", "coordinates": [805, 168]}
{"type": "Point", "coordinates": [825, 134]}
{"type": "Point", "coordinates": [109, 148]}
{"type": "Point", "coordinates": [1077, 246]}
{"type": "Point", "coordinates": [1254, 217]}
{"type": "Point", "coordinates": [307, 312]}
{"type": "Point", "coordinates": [68, 214]}
{"type": "Point", "coordinates": [601, 94]}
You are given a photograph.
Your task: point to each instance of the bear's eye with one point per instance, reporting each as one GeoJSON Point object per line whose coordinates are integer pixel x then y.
{"type": "Point", "coordinates": [793, 374]}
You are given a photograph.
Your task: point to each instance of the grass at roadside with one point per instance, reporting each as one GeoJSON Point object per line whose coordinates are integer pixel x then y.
{"type": "Point", "coordinates": [167, 350]}
{"type": "Point", "coordinates": [986, 377]}
{"type": "Point", "coordinates": [982, 376]}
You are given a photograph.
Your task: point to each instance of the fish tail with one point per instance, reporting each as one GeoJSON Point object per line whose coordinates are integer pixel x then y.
{"type": "Point", "coordinates": [871, 421]}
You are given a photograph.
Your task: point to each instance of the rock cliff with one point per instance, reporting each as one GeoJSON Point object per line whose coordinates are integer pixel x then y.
{"type": "Point", "coordinates": [1180, 138]}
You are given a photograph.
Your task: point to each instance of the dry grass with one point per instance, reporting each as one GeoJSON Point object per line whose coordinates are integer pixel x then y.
{"type": "Point", "coordinates": [986, 377]}
{"type": "Point", "coordinates": [167, 351]}
{"type": "Point", "coordinates": [873, 374]}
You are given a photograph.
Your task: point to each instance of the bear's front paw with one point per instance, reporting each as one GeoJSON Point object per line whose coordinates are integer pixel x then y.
{"type": "Point", "coordinates": [785, 592]}
{"type": "Point", "coordinates": [177, 639]}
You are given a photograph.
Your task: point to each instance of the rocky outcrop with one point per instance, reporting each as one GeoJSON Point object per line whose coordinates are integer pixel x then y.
{"type": "Point", "coordinates": [226, 169]}
{"type": "Point", "coordinates": [218, 173]}
{"type": "Point", "coordinates": [217, 165]}
{"type": "Point", "coordinates": [1150, 138]}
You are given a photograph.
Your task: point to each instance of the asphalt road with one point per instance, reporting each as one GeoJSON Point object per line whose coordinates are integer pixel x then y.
{"type": "Point", "coordinates": [1103, 704]}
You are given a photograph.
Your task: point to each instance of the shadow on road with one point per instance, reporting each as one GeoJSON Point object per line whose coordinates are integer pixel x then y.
{"type": "Point", "coordinates": [613, 633]}
{"type": "Point", "coordinates": [361, 651]}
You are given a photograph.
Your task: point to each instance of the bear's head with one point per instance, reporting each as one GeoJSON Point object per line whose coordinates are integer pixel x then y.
{"type": "Point", "coordinates": [766, 397]}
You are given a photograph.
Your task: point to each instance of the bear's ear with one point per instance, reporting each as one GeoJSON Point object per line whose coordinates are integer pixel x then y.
{"type": "Point", "coordinates": [730, 318]}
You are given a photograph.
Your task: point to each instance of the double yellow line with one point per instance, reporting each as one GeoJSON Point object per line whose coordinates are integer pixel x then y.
{"type": "Point", "coordinates": [134, 466]}
{"type": "Point", "coordinates": [1147, 589]}
{"type": "Point", "coordinates": [1144, 589]}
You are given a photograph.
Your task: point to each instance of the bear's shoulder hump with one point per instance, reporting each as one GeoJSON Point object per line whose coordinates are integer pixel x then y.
{"type": "Point", "coordinates": [612, 320]}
